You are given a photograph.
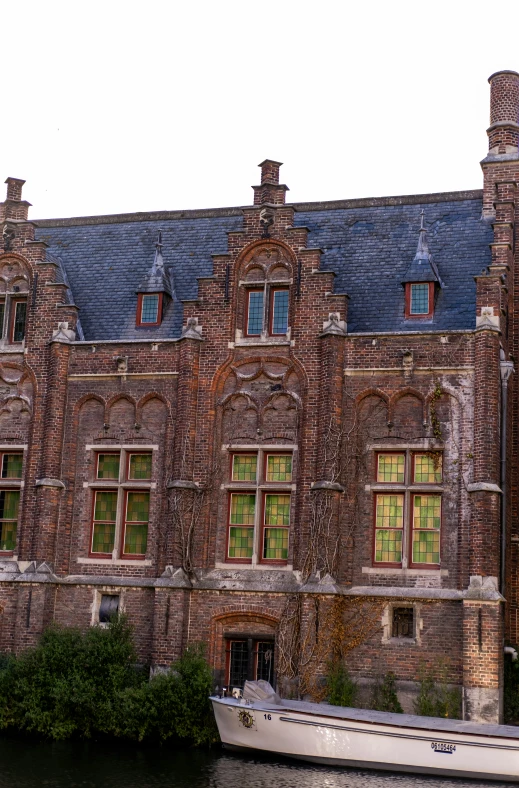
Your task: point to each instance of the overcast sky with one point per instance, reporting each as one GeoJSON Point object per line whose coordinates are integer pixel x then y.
{"type": "Point", "coordinates": [112, 107]}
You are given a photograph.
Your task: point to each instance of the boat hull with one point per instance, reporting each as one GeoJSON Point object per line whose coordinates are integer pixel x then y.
{"type": "Point", "coordinates": [353, 743]}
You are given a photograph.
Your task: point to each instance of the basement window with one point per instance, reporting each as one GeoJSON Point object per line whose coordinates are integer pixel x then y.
{"type": "Point", "coordinates": [109, 608]}
{"type": "Point", "coordinates": [402, 625]}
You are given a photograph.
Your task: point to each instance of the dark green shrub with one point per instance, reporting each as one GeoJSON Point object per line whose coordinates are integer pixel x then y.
{"type": "Point", "coordinates": [68, 684]}
{"type": "Point", "coordinates": [84, 683]}
{"type": "Point", "coordinates": [341, 690]}
{"type": "Point", "coordinates": [384, 697]}
{"type": "Point", "coordinates": [172, 705]}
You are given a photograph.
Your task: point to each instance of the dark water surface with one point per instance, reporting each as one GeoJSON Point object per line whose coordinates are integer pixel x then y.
{"type": "Point", "coordinates": [94, 764]}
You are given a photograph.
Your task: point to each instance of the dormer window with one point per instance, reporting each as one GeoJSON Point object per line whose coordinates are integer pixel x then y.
{"type": "Point", "coordinates": [18, 319]}
{"type": "Point", "coordinates": [274, 320]}
{"type": "Point", "coordinates": [419, 299]}
{"type": "Point", "coordinates": [149, 309]}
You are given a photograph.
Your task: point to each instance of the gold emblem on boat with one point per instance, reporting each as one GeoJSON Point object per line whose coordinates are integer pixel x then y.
{"type": "Point", "coordinates": [246, 719]}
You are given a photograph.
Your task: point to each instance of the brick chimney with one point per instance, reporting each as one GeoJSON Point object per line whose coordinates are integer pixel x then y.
{"type": "Point", "coordinates": [270, 191]}
{"type": "Point", "coordinates": [14, 208]}
{"type": "Point", "coordinates": [503, 132]}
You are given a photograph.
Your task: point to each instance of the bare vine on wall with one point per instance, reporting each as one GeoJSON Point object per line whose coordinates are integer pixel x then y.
{"type": "Point", "coordinates": [318, 629]}
{"type": "Point", "coordinates": [186, 505]}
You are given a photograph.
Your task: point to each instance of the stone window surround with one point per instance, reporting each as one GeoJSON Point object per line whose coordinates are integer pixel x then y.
{"type": "Point", "coordinates": [241, 337]}
{"type": "Point", "coordinates": [408, 489]}
{"type": "Point", "coordinates": [122, 486]}
{"type": "Point", "coordinates": [261, 450]}
{"type": "Point", "coordinates": [387, 624]}
{"type": "Point", "coordinates": [9, 299]}
{"type": "Point", "coordinates": [96, 602]}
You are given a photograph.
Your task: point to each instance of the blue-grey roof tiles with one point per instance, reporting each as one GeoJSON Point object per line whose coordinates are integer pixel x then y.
{"type": "Point", "coordinates": [370, 248]}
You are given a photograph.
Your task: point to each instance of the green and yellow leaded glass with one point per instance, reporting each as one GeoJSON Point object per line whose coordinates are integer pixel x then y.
{"type": "Point", "coordinates": [241, 529]}
{"type": "Point", "coordinates": [136, 524]}
{"type": "Point", "coordinates": [9, 503]}
{"type": "Point", "coordinates": [279, 468]}
{"type": "Point", "coordinates": [391, 468]}
{"type": "Point", "coordinates": [244, 467]}
{"type": "Point", "coordinates": [389, 528]}
{"type": "Point", "coordinates": [427, 468]}
{"type": "Point", "coordinates": [12, 466]}
{"type": "Point", "coordinates": [140, 467]}
{"type": "Point", "coordinates": [103, 530]}
{"type": "Point", "coordinates": [108, 466]}
{"type": "Point", "coordinates": [275, 539]}
{"type": "Point", "coordinates": [426, 529]}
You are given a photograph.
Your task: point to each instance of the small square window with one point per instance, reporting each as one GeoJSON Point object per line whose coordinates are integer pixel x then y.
{"type": "Point", "coordinates": [140, 467]}
{"type": "Point", "coordinates": [109, 608]}
{"type": "Point", "coordinates": [108, 466]}
{"type": "Point", "coordinates": [279, 468]}
{"type": "Point", "coordinates": [244, 467]}
{"type": "Point", "coordinates": [12, 466]}
{"type": "Point", "coordinates": [427, 468]}
{"type": "Point", "coordinates": [391, 468]}
{"type": "Point", "coordinates": [402, 625]}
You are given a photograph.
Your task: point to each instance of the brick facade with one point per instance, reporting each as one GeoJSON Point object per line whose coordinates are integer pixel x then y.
{"type": "Point", "coordinates": [331, 398]}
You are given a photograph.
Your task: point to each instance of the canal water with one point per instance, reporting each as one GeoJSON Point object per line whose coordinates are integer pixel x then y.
{"type": "Point", "coordinates": [93, 764]}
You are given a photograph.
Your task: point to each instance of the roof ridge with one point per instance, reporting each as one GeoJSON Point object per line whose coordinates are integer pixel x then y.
{"type": "Point", "coordinates": [209, 213]}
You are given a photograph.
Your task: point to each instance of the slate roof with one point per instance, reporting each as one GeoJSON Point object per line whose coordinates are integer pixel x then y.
{"type": "Point", "coordinates": [369, 244]}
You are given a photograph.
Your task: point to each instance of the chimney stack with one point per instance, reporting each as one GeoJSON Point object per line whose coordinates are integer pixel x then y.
{"type": "Point", "coordinates": [503, 132]}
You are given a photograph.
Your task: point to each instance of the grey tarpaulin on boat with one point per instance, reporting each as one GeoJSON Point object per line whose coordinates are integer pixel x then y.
{"type": "Point", "coordinates": [261, 690]}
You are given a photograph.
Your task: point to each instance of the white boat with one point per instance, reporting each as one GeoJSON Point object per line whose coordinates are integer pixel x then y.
{"type": "Point", "coordinates": [340, 736]}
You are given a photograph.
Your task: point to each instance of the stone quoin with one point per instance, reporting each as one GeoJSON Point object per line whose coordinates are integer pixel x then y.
{"type": "Point", "coordinates": [241, 425]}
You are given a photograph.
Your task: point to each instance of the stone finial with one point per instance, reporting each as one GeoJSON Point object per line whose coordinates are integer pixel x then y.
{"type": "Point", "coordinates": [192, 330]}
{"type": "Point", "coordinates": [334, 325]}
{"type": "Point", "coordinates": [487, 319]}
{"type": "Point", "coordinates": [407, 364]}
{"type": "Point", "coordinates": [63, 334]}
{"type": "Point", "coordinates": [122, 364]}
{"type": "Point", "coordinates": [266, 221]}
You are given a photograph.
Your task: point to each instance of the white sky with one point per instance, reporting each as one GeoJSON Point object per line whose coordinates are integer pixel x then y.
{"type": "Point", "coordinates": [112, 107]}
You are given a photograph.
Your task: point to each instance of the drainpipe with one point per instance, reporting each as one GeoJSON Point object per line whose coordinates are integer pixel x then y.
{"type": "Point", "coordinates": [506, 368]}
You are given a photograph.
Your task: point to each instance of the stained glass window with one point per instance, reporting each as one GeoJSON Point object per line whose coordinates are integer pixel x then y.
{"type": "Point", "coordinates": [105, 512]}
{"type": "Point", "coordinates": [420, 299]}
{"type": "Point", "coordinates": [140, 466]}
{"type": "Point", "coordinates": [391, 468]}
{"type": "Point", "coordinates": [136, 525]}
{"type": "Point", "coordinates": [9, 502]}
{"type": "Point", "coordinates": [280, 312]}
{"type": "Point", "coordinates": [389, 528]}
{"type": "Point", "coordinates": [244, 467]}
{"type": "Point", "coordinates": [275, 539]}
{"type": "Point", "coordinates": [279, 468]}
{"type": "Point", "coordinates": [426, 529]}
{"type": "Point", "coordinates": [428, 468]}
{"type": "Point", "coordinates": [243, 509]}
{"type": "Point", "coordinates": [108, 466]}
{"type": "Point", "coordinates": [150, 308]}
{"type": "Point", "coordinates": [12, 466]}
{"type": "Point", "coordinates": [255, 313]}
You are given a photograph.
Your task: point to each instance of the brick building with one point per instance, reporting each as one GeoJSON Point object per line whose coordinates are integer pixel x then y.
{"type": "Point", "coordinates": [252, 426]}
